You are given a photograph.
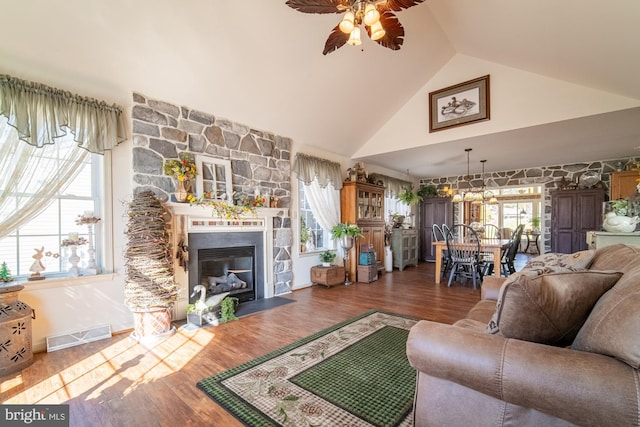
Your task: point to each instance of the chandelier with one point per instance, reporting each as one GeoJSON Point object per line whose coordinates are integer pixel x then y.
{"type": "Point", "coordinates": [377, 16]}
{"type": "Point", "coordinates": [480, 197]}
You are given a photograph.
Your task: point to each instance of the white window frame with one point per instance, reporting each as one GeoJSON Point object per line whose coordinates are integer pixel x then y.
{"type": "Point", "coordinates": [203, 162]}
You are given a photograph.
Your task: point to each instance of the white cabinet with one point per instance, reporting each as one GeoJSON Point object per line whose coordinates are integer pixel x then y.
{"type": "Point", "coordinates": [599, 239]}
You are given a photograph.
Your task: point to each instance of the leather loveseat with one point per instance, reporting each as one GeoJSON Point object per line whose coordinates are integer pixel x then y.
{"type": "Point", "coordinates": [585, 374]}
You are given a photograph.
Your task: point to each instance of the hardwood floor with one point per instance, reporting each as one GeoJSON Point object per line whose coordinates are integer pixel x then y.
{"type": "Point", "coordinates": [117, 382]}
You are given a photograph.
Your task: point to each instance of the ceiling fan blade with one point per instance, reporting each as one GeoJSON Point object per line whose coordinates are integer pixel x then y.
{"type": "Point", "coordinates": [318, 6]}
{"type": "Point", "coordinates": [394, 31]}
{"type": "Point", "coordinates": [398, 5]}
{"type": "Point", "coordinates": [336, 40]}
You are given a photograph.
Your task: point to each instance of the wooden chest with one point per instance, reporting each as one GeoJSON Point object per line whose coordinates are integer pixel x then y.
{"type": "Point", "coordinates": [367, 273]}
{"type": "Point", "coordinates": [327, 276]}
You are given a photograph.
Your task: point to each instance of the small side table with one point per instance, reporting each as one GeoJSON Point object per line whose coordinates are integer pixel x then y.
{"type": "Point", "coordinates": [327, 276]}
{"type": "Point", "coordinates": [535, 237]}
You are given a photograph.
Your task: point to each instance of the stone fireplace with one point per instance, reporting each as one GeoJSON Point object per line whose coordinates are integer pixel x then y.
{"type": "Point", "coordinates": [260, 162]}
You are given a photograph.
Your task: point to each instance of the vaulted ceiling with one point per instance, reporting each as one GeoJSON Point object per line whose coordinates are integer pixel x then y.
{"type": "Point", "coordinates": [260, 62]}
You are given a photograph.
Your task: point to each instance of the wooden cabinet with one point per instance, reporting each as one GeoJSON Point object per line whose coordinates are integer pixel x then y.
{"type": "Point", "coordinates": [437, 210]}
{"type": "Point", "coordinates": [363, 204]}
{"type": "Point", "coordinates": [573, 213]}
{"type": "Point", "coordinates": [623, 184]}
{"type": "Point", "coordinates": [404, 245]}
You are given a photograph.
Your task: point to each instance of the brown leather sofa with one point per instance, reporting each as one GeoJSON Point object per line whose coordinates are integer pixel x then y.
{"type": "Point", "coordinates": [470, 377]}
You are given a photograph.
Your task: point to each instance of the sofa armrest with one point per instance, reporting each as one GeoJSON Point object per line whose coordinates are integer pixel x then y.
{"type": "Point", "coordinates": [582, 388]}
{"type": "Point", "coordinates": [491, 287]}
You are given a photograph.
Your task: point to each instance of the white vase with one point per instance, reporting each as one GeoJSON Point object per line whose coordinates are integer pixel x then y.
{"type": "Point", "coordinates": [388, 259]}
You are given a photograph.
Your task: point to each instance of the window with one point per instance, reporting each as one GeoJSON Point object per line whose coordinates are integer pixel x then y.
{"type": "Point", "coordinates": [51, 226]}
{"type": "Point", "coordinates": [318, 238]}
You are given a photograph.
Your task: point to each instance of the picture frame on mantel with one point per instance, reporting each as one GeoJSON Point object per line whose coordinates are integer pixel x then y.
{"type": "Point", "coordinates": [460, 104]}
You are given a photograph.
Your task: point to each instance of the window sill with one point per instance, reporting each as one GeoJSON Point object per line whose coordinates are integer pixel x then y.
{"type": "Point", "coordinates": [314, 252]}
{"type": "Point", "coordinates": [65, 281]}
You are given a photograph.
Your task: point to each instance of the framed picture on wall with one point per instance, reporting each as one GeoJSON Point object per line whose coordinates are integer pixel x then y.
{"type": "Point", "coordinates": [459, 104]}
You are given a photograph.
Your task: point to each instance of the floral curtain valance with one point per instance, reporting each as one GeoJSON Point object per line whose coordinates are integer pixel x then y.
{"type": "Point", "coordinates": [393, 186]}
{"type": "Point", "coordinates": [325, 171]}
{"type": "Point", "coordinates": [41, 114]}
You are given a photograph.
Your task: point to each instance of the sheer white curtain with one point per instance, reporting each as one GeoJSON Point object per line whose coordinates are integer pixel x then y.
{"type": "Point", "coordinates": [31, 176]}
{"type": "Point", "coordinates": [45, 135]}
{"type": "Point", "coordinates": [322, 180]}
{"type": "Point", "coordinates": [325, 204]}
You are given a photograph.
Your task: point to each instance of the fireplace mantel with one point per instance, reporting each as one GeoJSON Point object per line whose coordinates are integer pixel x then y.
{"type": "Point", "coordinates": [188, 218]}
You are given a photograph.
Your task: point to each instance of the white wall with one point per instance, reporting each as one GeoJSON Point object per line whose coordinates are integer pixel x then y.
{"type": "Point", "coordinates": [518, 99]}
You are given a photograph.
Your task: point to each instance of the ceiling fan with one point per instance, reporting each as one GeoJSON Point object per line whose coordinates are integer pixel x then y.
{"type": "Point", "coordinates": [381, 23]}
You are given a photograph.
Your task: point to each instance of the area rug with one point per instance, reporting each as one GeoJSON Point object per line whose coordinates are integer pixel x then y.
{"type": "Point", "coordinates": [355, 373]}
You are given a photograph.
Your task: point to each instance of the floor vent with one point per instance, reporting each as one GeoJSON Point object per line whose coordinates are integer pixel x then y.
{"type": "Point", "coordinates": [59, 342]}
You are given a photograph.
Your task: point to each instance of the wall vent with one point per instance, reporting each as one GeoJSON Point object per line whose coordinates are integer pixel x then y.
{"type": "Point", "coordinates": [58, 342]}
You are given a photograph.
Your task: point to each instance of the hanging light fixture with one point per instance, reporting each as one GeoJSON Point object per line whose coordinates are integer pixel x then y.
{"type": "Point", "coordinates": [377, 16]}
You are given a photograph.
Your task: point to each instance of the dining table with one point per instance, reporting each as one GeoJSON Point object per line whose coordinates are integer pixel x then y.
{"type": "Point", "coordinates": [496, 246]}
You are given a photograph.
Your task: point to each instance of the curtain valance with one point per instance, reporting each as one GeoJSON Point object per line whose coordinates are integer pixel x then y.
{"type": "Point", "coordinates": [325, 171]}
{"type": "Point", "coordinates": [41, 114]}
{"type": "Point", "coordinates": [393, 186]}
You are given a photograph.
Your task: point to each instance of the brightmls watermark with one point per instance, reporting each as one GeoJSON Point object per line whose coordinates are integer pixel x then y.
{"type": "Point", "coordinates": [34, 415]}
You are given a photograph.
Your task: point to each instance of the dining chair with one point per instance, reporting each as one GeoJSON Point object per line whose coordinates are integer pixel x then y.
{"type": "Point", "coordinates": [445, 230]}
{"type": "Point", "coordinates": [507, 265]}
{"type": "Point", "coordinates": [439, 236]}
{"type": "Point", "coordinates": [491, 231]}
{"type": "Point", "coordinates": [463, 245]}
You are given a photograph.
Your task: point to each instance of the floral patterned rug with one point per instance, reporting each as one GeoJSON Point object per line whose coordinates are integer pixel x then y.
{"type": "Point", "coordinates": [355, 373]}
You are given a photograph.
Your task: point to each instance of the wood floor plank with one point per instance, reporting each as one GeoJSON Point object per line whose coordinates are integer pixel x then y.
{"type": "Point", "coordinates": [117, 382]}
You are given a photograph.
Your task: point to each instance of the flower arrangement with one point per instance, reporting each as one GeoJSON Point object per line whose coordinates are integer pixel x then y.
{"type": "Point", "coordinates": [221, 208]}
{"type": "Point", "coordinates": [182, 169]}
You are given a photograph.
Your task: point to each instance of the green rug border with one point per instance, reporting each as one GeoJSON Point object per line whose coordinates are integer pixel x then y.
{"type": "Point", "coordinates": [217, 390]}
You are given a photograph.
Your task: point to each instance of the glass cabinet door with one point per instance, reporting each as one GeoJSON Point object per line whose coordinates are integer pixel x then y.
{"type": "Point", "coordinates": [364, 205]}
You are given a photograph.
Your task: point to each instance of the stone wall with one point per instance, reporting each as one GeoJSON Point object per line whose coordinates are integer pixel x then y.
{"type": "Point", "coordinates": [259, 160]}
{"type": "Point", "coordinates": [546, 176]}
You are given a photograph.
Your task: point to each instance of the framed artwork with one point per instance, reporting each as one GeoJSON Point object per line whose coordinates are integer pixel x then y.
{"type": "Point", "coordinates": [459, 104]}
{"type": "Point", "coordinates": [214, 178]}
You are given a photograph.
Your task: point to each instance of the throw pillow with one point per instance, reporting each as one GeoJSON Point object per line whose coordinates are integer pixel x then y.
{"type": "Point", "coordinates": [613, 325]}
{"type": "Point", "coordinates": [551, 308]}
{"type": "Point", "coordinates": [557, 263]}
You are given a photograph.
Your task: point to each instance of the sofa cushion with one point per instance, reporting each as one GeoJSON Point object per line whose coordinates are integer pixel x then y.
{"type": "Point", "coordinates": [550, 308]}
{"type": "Point", "coordinates": [557, 262]}
{"type": "Point", "coordinates": [613, 327]}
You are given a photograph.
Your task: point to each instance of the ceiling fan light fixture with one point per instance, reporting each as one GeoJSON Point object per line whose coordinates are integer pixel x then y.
{"type": "Point", "coordinates": [354, 39]}
{"type": "Point", "coordinates": [377, 32]}
{"type": "Point", "coordinates": [371, 14]}
{"type": "Point", "coordinates": [348, 23]}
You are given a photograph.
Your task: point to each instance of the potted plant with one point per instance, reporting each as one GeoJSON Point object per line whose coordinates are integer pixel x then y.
{"type": "Point", "coordinates": [327, 258]}
{"type": "Point", "coordinates": [150, 290]}
{"type": "Point", "coordinates": [346, 232]}
{"type": "Point", "coordinates": [426, 191]}
{"type": "Point", "coordinates": [5, 274]}
{"type": "Point", "coordinates": [409, 197]}
{"type": "Point", "coordinates": [535, 223]}
{"type": "Point", "coordinates": [396, 219]}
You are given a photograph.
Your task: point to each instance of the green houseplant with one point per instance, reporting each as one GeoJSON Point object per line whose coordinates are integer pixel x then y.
{"type": "Point", "coordinates": [535, 223]}
{"type": "Point", "coordinates": [409, 197]}
{"type": "Point", "coordinates": [5, 274]}
{"type": "Point", "coordinates": [344, 229]}
{"type": "Point", "coordinates": [327, 258]}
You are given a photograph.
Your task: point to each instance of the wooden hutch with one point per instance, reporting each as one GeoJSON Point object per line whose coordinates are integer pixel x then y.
{"type": "Point", "coordinates": [363, 204]}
